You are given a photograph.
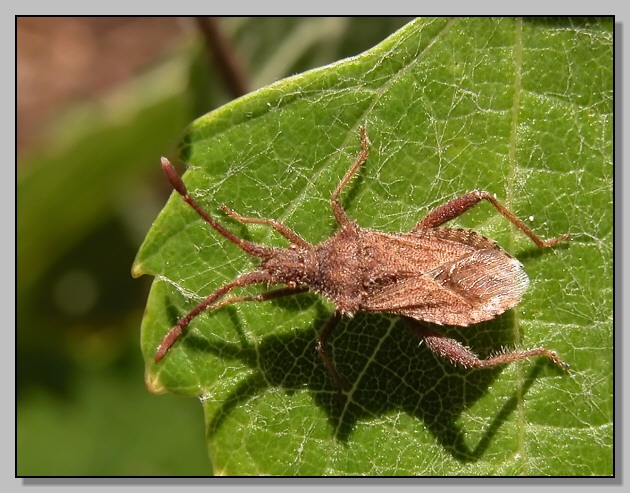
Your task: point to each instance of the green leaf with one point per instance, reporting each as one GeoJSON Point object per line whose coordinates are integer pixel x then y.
{"type": "Point", "coordinates": [522, 108]}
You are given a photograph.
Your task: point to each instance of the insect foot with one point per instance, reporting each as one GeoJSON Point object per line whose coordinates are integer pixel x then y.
{"type": "Point", "coordinates": [445, 276]}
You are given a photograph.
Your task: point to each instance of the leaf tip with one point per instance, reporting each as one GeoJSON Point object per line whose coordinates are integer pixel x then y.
{"type": "Point", "coordinates": [137, 270]}
{"type": "Point", "coordinates": [153, 383]}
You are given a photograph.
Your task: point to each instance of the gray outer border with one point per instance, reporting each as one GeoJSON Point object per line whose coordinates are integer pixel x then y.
{"type": "Point", "coordinates": [326, 7]}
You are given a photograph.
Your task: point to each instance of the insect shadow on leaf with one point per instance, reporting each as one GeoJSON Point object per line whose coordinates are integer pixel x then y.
{"type": "Point", "coordinates": [444, 276]}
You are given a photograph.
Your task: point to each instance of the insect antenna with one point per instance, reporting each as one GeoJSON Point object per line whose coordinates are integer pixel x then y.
{"type": "Point", "coordinates": [178, 185]}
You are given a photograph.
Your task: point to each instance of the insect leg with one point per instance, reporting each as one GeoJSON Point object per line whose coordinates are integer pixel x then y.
{"type": "Point", "coordinates": [322, 342]}
{"type": "Point", "coordinates": [459, 205]}
{"type": "Point", "coordinates": [458, 354]}
{"type": "Point", "coordinates": [285, 231]}
{"type": "Point", "coordinates": [174, 334]}
{"type": "Point", "coordinates": [264, 296]}
{"type": "Point", "coordinates": [340, 214]}
{"type": "Point", "coordinates": [177, 183]}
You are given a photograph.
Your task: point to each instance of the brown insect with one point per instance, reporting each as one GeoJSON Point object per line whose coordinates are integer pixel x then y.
{"type": "Point", "coordinates": [432, 274]}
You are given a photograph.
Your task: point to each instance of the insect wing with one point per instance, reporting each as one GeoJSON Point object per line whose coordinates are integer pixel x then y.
{"type": "Point", "coordinates": [475, 287]}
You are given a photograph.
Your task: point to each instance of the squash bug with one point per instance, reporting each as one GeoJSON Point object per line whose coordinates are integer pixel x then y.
{"type": "Point", "coordinates": [450, 276]}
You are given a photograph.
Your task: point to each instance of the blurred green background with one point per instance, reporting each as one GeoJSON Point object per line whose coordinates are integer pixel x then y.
{"type": "Point", "coordinates": [99, 100]}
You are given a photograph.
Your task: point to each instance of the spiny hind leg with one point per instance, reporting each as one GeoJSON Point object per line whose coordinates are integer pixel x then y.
{"type": "Point", "coordinates": [456, 353]}
{"type": "Point", "coordinates": [457, 206]}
